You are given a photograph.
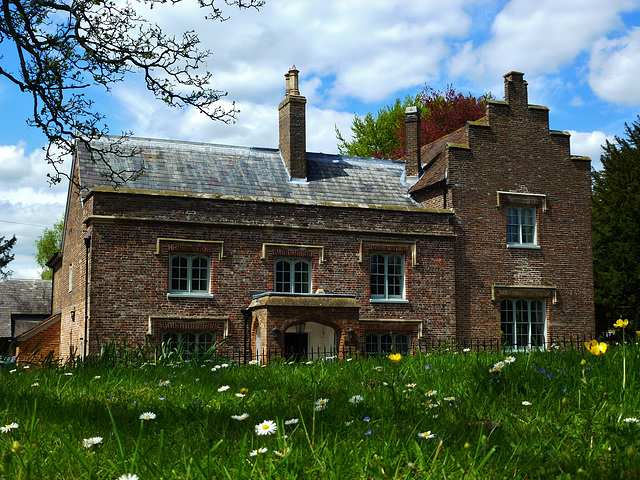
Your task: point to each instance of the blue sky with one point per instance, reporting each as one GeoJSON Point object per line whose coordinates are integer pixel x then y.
{"type": "Point", "coordinates": [581, 58]}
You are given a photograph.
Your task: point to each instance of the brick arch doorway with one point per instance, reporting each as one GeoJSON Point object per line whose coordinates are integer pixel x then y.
{"type": "Point", "coordinates": [310, 340]}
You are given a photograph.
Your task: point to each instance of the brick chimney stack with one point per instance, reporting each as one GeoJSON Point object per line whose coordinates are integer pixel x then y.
{"type": "Point", "coordinates": [412, 124]}
{"type": "Point", "coordinates": [515, 90]}
{"type": "Point", "coordinates": [293, 136]}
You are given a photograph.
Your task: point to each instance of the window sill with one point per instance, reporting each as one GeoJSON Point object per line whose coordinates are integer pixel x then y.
{"type": "Point", "coordinates": [189, 295]}
{"type": "Point", "coordinates": [526, 246]}
{"type": "Point", "coordinates": [388, 300]}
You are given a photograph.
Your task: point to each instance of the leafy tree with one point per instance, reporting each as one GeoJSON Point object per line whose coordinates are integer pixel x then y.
{"type": "Point", "coordinates": [384, 136]}
{"type": "Point", "coordinates": [63, 49]}
{"type": "Point", "coordinates": [615, 218]}
{"type": "Point", "coordinates": [48, 244]}
{"type": "Point", "coordinates": [5, 257]}
{"type": "Point", "coordinates": [376, 136]}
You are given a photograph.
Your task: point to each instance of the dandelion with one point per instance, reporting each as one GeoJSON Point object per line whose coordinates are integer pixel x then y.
{"type": "Point", "coordinates": [426, 434]}
{"type": "Point", "coordinates": [630, 420]}
{"type": "Point", "coordinates": [244, 391]}
{"type": "Point", "coordinates": [355, 399]}
{"type": "Point", "coordinates": [595, 347]}
{"type": "Point", "coordinates": [321, 404]}
{"type": "Point", "coordinates": [259, 451]}
{"type": "Point", "coordinates": [526, 403]}
{"type": "Point", "coordinates": [164, 383]}
{"type": "Point", "coordinates": [90, 442]}
{"type": "Point", "coordinates": [621, 323]}
{"type": "Point", "coordinates": [292, 421]}
{"type": "Point", "coordinates": [509, 359]}
{"type": "Point", "coordinates": [244, 416]}
{"type": "Point", "coordinates": [431, 393]}
{"type": "Point", "coordinates": [267, 427]}
{"type": "Point", "coordinates": [395, 357]}
{"type": "Point", "coordinates": [224, 388]}
{"type": "Point", "coordinates": [7, 428]}
{"type": "Point", "coordinates": [148, 416]}
{"type": "Point", "coordinates": [128, 476]}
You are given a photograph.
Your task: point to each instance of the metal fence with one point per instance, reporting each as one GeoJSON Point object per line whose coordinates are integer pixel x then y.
{"type": "Point", "coordinates": [423, 347]}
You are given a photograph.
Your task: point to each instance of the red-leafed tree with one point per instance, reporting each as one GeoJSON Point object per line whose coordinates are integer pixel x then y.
{"type": "Point", "coordinates": [441, 114]}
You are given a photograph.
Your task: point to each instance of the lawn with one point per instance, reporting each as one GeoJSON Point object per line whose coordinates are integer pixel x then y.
{"type": "Point", "coordinates": [449, 414]}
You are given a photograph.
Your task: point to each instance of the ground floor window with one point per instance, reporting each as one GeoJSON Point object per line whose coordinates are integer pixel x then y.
{"type": "Point", "coordinates": [188, 344]}
{"type": "Point", "coordinates": [523, 322]}
{"type": "Point", "coordinates": [381, 343]}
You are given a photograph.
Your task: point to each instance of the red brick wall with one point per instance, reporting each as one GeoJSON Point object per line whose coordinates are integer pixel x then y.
{"type": "Point", "coordinates": [43, 345]}
{"type": "Point", "coordinates": [517, 153]}
{"type": "Point", "coordinates": [130, 283]}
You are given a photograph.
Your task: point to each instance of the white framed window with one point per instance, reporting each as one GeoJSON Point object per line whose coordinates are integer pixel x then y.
{"type": "Point", "coordinates": [523, 322]}
{"type": "Point", "coordinates": [189, 274]}
{"type": "Point", "coordinates": [189, 344]}
{"type": "Point", "coordinates": [387, 276]}
{"type": "Point", "coordinates": [383, 343]}
{"type": "Point", "coordinates": [292, 275]}
{"type": "Point", "coordinates": [521, 226]}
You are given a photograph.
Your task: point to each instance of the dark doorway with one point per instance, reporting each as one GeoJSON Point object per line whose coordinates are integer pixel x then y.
{"type": "Point", "coordinates": [295, 345]}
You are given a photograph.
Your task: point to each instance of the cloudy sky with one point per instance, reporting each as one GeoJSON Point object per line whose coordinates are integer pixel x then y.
{"type": "Point", "coordinates": [581, 58]}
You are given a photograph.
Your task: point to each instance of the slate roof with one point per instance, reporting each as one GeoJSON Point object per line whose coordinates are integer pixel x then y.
{"type": "Point", "coordinates": [255, 173]}
{"type": "Point", "coordinates": [23, 297]}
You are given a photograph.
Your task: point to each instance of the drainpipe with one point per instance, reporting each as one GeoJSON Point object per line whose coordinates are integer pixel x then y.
{"type": "Point", "coordinates": [87, 244]}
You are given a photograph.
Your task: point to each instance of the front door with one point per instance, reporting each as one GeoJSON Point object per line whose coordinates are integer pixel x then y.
{"type": "Point", "coordinates": [295, 345]}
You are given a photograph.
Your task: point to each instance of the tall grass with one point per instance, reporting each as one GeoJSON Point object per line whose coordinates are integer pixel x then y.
{"type": "Point", "coordinates": [556, 414]}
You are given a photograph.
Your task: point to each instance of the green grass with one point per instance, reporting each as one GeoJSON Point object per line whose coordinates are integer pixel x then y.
{"type": "Point", "coordinates": [573, 428]}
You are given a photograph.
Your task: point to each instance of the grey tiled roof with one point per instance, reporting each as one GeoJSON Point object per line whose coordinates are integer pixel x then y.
{"type": "Point", "coordinates": [258, 173]}
{"type": "Point", "coordinates": [23, 297]}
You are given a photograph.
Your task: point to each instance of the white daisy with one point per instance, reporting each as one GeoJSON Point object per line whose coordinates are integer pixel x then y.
{"type": "Point", "coordinates": [164, 383]}
{"type": "Point", "coordinates": [90, 442]}
{"type": "Point", "coordinates": [240, 395]}
{"type": "Point", "coordinates": [509, 359]}
{"type": "Point", "coordinates": [148, 416]}
{"type": "Point", "coordinates": [426, 434]}
{"type": "Point", "coordinates": [321, 404]}
{"type": "Point", "coordinates": [431, 393]}
{"type": "Point", "coordinates": [411, 385]}
{"type": "Point", "coordinates": [7, 428]}
{"type": "Point", "coordinates": [244, 416]}
{"type": "Point", "coordinates": [224, 388]}
{"type": "Point", "coordinates": [253, 362]}
{"type": "Point", "coordinates": [525, 403]}
{"type": "Point", "coordinates": [259, 451]}
{"type": "Point", "coordinates": [267, 427]}
{"type": "Point", "coordinates": [292, 421]}
{"type": "Point", "coordinates": [630, 420]}
{"type": "Point", "coordinates": [128, 476]}
{"type": "Point", "coordinates": [356, 399]}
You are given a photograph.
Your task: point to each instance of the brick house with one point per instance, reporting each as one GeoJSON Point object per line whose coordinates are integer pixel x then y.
{"type": "Point", "coordinates": [484, 234]}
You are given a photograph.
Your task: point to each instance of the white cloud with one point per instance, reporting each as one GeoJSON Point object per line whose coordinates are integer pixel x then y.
{"type": "Point", "coordinates": [538, 37]}
{"type": "Point", "coordinates": [615, 68]}
{"type": "Point", "coordinates": [589, 144]}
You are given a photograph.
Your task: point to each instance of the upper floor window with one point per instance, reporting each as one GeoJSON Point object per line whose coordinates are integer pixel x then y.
{"type": "Point", "coordinates": [292, 275]}
{"type": "Point", "coordinates": [189, 274]}
{"type": "Point", "coordinates": [523, 322]}
{"type": "Point", "coordinates": [521, 225]}
{"type": "Point", "coordinates": [387, 276]}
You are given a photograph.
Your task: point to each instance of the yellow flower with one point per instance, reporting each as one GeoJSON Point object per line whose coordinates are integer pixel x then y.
{"type": "Point", "coordinates": [395, 357]}
{"type": "Point", "coordinates": [621, 323]}
{"type": "Point", "coordinates": [595, 347]}
{"type": "Point", "coordinates": [637, 333]}
{"type": "Point", "coordinates": [244, 391]}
